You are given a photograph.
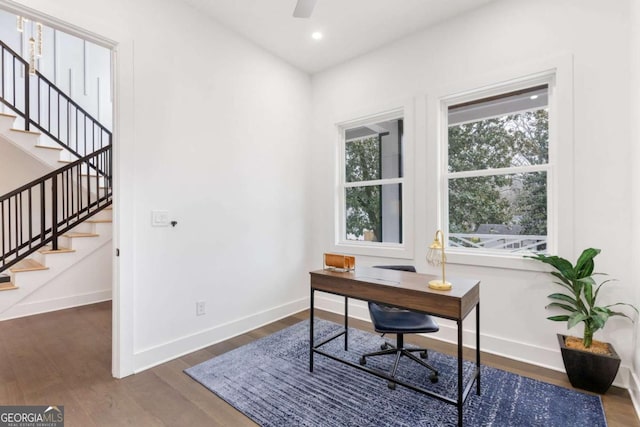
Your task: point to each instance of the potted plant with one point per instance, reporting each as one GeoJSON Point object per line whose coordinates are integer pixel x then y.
{"type": "Point", "coordinates": [590, 365]}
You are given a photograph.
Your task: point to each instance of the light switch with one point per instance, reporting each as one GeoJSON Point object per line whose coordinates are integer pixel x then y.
{"type": "Point", "coordinates": [159, 218]}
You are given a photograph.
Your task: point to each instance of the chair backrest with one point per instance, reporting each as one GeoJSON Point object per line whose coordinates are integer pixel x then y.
{"type": "Point", "coordinates": [410, 268]}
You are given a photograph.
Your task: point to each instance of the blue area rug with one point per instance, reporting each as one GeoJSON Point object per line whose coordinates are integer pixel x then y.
{"type": "Point", "coordinates": [269, 381]}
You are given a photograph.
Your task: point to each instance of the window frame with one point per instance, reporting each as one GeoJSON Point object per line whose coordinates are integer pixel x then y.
{"type": "Point", "coordinates": [360, 247]}
{"type": "Point", "coordinates": [447, 176]}
{"type": "Point", "coordinates": [557, 73]}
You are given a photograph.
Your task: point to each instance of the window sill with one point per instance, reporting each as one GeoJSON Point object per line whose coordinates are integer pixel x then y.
{"type": "Point", "coordinates": [379, 250]}
{"type": "Point", "coordinates": [493, 260]}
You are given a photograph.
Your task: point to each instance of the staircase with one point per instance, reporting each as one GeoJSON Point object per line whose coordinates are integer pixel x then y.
{"type": "Point", "coordinates": [50, 224]}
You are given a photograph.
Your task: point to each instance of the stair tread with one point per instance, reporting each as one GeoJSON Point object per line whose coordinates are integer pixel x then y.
{"type": "Point", "coordinates": [60, 250]}
{"type": "Point", "coordinates": [25, 131]}
{"type": "Point", "coordinates": [8, 115]}
{"type": "Point", "coordinates": [27, 265]}
{"type": "Point", "coordinates": [74, 234]}
{"type": "Point", "coordinates": [7, 286]}
{"type": "Point", "coordinates": [99, 221]}
{"type": "Point", "coordinates": [48, 147]}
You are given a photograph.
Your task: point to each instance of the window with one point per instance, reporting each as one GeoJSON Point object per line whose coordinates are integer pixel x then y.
{"type": "Point", "coordinates": [372, 182]}
{"type": "Point", "coordinates": [497, 172]}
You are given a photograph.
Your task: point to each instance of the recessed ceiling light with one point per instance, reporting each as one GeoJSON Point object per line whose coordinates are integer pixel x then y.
{"type": "Point", "coordinates": [533, 97]}
{"type": "Point", "coordinates": [316, 35]}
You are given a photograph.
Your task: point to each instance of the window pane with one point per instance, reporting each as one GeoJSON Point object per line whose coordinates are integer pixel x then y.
{"type": "Point", "coordinates": [374, 213]}
{"type": "Point", "coordinates": [374, 151]}
{"type": "Point", "coordinates": [518, 138]}
{"type": "Point", "coordinates": [500, 212]}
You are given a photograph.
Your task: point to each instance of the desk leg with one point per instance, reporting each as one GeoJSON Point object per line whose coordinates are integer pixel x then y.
{"type": "Point", "coordinates": [311, 333]}
{"type": "Point", "coordinates": [478, 347]}
{"type": "Point", "coordinates": [346, 323]}
{"type": "Point", "coordinates": [460, 377]}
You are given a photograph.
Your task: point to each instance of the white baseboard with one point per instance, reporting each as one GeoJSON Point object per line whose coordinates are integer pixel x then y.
{"type": "Point", "coordinates": [520, 351]}
{"type": "Point", "coordinates": [39, 307]}
{"type": "Point", "coordinates": [157, 355]}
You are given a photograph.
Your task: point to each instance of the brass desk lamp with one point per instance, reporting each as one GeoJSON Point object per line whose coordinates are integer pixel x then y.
{"type": "Point", "coordinates": [436, 257]}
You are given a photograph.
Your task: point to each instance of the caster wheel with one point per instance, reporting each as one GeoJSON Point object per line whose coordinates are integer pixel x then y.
{"type": "Point", "coordinates": [384, 346]}
{"type": "Point", "coordinates": [363, 361]}
{"type": "Point", "coordinates": [424, 354]}
{"type": "Point", "coordinates": [391, 385]}
{"type": "Point", "coordinates": [434, 378]}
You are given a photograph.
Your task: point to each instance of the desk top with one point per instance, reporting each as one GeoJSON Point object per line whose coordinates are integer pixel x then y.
{"type": "Point", "coordinates": [401, 289]}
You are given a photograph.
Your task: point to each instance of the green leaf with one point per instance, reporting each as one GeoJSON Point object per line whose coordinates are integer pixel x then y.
{"type": "Point", "coordinates": [600, 286]}
{"type": "Point", "coordinates": [566, 298]}
{"type": "Point", "coordinates": [561, 277]}
{"type": "Point", "coordinates": [599, 318]}
{"type": "Point", "coordinates": [563, 266]}
{"type": "Point", "coordinates": [577, 288]}
{"type": "Point", "coordinates": [587, 289]}
{"type": "Point", "coordinates": [621, 314]}
{"type": "Point", "coordinates": [563, 306]}
{"type": "Point", "coordinates": [624, 303]}
{"type": "Point", "coordinates": [576, 318]}
{"type": "Point", "coordinates": [559, 318]}
{"type": "Point", "coordinates": [585, 264]}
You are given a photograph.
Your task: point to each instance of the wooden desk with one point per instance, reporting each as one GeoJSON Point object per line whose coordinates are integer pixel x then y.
{"type": "Point", "coordinates": [406, 290]}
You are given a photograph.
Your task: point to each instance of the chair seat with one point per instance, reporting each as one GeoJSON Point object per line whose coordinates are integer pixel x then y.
{"type": "Point", "coordinates": [391, 320]}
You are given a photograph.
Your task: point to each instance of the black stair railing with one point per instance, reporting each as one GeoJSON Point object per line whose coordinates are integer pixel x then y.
{"type": "Point", "coordinates": [38, 213]}
{"type": "Point", "coordinates": [42, 104]}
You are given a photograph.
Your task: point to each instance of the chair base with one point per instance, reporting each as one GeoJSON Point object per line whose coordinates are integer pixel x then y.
{"type": "Point", "coordinates": [399, 350]}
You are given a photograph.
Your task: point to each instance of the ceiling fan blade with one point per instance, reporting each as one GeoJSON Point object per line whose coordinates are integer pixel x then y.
{"type": "Point", "coordinates": [304, 8]}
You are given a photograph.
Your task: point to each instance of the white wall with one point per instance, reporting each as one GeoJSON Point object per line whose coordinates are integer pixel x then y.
{"type": "Point", "coordinates": [214, 130]}
{"type": "Point", "coordinates": [502, 36]}
{"type": "Point", "coordinates": [17, 167]}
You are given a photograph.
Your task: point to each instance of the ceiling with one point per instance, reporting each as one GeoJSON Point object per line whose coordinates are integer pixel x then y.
{"type": "Point", "coordinates": [350, 27]}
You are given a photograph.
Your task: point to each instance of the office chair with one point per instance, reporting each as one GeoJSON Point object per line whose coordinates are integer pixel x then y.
{"type": "Point", "coordinates": [392, 320]}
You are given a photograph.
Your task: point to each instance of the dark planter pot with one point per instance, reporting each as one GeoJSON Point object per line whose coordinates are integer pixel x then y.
{"type": "Point", "coordinates": [589, 371]}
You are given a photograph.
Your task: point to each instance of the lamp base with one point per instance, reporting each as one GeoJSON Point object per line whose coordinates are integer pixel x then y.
{"type": "Point", "coordinates": [439, 285]}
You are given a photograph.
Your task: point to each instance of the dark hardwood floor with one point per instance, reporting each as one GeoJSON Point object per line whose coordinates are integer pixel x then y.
{"type": "Point", "coordinates": [64, 358]}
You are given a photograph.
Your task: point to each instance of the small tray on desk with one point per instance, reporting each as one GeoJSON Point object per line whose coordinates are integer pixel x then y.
{"type": "Point", "coordinates": [339, 262]}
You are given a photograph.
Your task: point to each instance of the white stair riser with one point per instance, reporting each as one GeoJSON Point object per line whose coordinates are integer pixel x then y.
{"type": "Point", "coordinates": [93, 185]}
{"type": "Point", "coordinates": [6, 123]}
{"type": "Point", "coordinates": [105, 214]}
{"type": "Point", "coordinates": [103, 229]}
{"type": "Point", "coordinates": [38, 256]}
{"type": "Point", "coordinates": [82, 243]}
{"type": "Point", "coordinates": [59, 260]}
{"type": "Point", "coordinates": [22, 138]}
{"type": "Point", "coordinates": [84, 227]}
{"type": "Point", "coordinates": [28, 278]}
{"type": "Point", "coordinates": [92, 178]}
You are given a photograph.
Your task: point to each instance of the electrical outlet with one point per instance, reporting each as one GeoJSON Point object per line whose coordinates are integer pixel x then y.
{"type": "Point", "coordinates": [200, 308]}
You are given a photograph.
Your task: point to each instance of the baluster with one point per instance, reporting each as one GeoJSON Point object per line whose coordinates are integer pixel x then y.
{"type": "Point", "coordinates": [54, 212]}
{"type": "Point", "coordinates": [2, 84]}
{"type": "Point", "coordinates": [3, 234]}
{"type": "Point", "coordinates": [27, 101]}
